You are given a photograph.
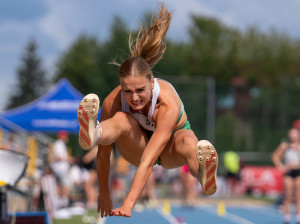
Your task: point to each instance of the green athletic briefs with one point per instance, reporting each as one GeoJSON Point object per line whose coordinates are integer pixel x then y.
{"type": "Point", "coordinates": [186, 125]}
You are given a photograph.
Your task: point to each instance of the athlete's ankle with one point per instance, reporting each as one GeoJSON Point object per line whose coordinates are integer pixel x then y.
{"type": "Point", "coordinates": [98, 132]}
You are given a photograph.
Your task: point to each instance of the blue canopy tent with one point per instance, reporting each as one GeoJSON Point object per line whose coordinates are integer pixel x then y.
{"type": "Point", "coordinates": [54, 111]}
{"type": "Point", "coordinates": [10, 126]}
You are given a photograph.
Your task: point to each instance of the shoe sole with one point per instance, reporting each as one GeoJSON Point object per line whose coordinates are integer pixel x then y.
{"type": "Point", "coordinates": [87, 115]}
{"type": "Point", "coordinates": [207, 158]}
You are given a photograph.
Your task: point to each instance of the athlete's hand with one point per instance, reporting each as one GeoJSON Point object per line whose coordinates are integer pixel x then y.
{"type": "Point", "coordinates": [104, 205]}
{"type": "Point", "coordinates": [122, 211]}
{"type": "Point", "coordinates": [283, 168]}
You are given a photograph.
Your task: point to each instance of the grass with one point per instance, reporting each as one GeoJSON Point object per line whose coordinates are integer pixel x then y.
{"type": "Point", "coordinates": [89, 217]}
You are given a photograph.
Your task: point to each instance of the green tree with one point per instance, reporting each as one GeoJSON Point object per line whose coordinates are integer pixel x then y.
{"type": "Point", "coordinates": [267, 58]}
{"type": "Point", "coordinates": [86, 62]}
{"type": "Point", "coordinates": [31, 78]}
{"type": "Point", "coordinates": [79, 64]}
{"type": "Point", "coordinates": [174, 61]}
{"type": "Point", "coordinates": [213, 48]}
{"type": "Point", "coordinates": [115, 48]}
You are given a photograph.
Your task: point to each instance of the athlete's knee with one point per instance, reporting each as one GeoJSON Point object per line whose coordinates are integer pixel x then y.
{"type": "Point", "coordinates": [120, 116]}
{"type": "Point", "coordinates": [288, 198]}
{"type": "Point", "coordinates": [189, 141]}
{"type": "Point", "coordinates": [123, 120]}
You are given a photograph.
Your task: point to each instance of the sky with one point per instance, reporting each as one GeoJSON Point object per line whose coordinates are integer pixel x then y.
{"type": "Point", "coordinates": [56, 24]}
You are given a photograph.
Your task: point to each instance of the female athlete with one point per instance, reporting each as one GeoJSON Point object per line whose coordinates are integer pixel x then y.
{"type": "Point", "coordinates": [145, 118]}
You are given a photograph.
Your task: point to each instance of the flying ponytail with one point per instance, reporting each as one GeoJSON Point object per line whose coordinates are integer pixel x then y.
{"type": "Point", "coordinates": [148, 48]}
{"type": "Point", "coordinates": [149, 42]}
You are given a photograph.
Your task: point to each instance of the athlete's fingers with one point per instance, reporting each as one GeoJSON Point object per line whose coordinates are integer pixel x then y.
{"type": "Point", "coordinates": [116, 212]}
{"type": "Point", "coordinates": [102, 212]}
{"type": "Point", "coordinates": [106, 212]}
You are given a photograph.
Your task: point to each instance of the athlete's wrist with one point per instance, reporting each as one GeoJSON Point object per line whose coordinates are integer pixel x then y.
{"type": "Point", "coordinates": [104, 195]}
{"type": "Point", "coordinates": [129, 203]}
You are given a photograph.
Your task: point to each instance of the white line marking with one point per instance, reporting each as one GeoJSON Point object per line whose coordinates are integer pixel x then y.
{"type": "Point", "coordinates": [229, 216]}
{"type": "Point", "coordinates": [170, 218]}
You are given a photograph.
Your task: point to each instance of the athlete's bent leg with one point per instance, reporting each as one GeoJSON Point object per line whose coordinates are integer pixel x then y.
{"type": "Point", "coordinates": [110, 130]}
{"type": "Point", "coordinates": [200, 157]}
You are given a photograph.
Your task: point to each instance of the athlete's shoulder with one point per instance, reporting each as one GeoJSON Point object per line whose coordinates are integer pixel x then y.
{"type": "Point", "coordinates": [167, 91]}
{"type": "Point", "coordinates": [162, 82]}
{"type": "Point", "coordinates": [116, 92]}
{"type": "Point", "coordinates": [283, 146]}
{"type": "Point", "coordinates": [165, 85]}
{"type": "Point", "coordinates": [112, 102]}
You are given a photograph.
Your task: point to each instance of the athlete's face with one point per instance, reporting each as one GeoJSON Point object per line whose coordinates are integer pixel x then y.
{"type": "Point", "coordinates": [137, 91]}
{"type": "Point", "coordinates": [293, 135]}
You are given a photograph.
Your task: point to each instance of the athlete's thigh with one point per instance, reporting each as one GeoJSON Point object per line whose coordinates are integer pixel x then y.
{"type": "Point", "coordinates": [131, 144]}
{"type": "Point", "coordinates": [288, 183]}
{"type": "Point", "coordinates": [177, 150]}
{"type": "Point", "coordinates": [297, 187]}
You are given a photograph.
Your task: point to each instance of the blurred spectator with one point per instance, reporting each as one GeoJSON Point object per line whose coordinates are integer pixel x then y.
{"type": "Point", "coordinates": [121, 180]}
{"type": "Point", "coordinates": [88, 162]}
{"type": "Point", "coordinates": [77, 179]}
{"type": "Point", "coordinates": [296, 124]}
{"type": "Point", "coordinates": [11, 144]}
{"type": "Point", "coordinates": [188, 183]}
{"type": "Point", "coordinates": [232, 164]}
{"type": "Point", "coordinates": [286, 157]}
{"type": "Point", "coordinates": [61, 166]}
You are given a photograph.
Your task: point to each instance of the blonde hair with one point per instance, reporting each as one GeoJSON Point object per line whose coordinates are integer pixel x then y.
{"type": "Point", "coordinates": [148, 48]}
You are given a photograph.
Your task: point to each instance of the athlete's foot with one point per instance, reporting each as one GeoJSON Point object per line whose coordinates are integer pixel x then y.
{"type": "Point", "coordinates": [89, 127]}
{"type": "Point", "coordinates": [207, 159]}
